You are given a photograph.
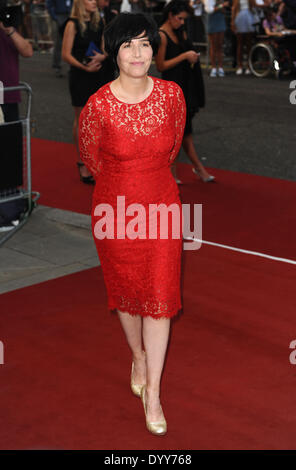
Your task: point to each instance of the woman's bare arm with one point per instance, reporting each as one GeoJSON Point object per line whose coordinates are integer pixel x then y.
{"type": "Point", "coordinates": [68, 40]}
{"type": "Point", "coordinates": [160, 61]}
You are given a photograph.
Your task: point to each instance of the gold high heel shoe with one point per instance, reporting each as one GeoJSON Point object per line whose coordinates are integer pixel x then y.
{"type": "Point", "coordinates": [159, 428]}
{"type": "Point", "coordinates": [136, 388]}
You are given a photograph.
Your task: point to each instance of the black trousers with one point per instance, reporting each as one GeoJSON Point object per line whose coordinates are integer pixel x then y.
{"type": "Point", "coordinates": [10, 111]}
{"type": "Point", "coordinates": [11, 138]}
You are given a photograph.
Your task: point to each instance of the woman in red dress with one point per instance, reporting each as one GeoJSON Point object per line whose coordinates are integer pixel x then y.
{"type": "Point", "coordinates": [131, 130]}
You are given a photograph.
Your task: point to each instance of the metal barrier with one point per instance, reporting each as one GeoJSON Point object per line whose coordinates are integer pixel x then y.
{"type": "Point", "coordinates": [15, 137]}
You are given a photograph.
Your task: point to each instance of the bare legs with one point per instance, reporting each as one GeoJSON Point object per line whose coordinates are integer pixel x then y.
{"type": "Point", "coordinates": [155, 334]}
{"type": "Point", "coordinates": [216, 49]}
{"type": "Point", "coordinates": [77, 110]}
{"type": "Point", "coordinates": [219, 48]}
{"type": "Point", "coordinates": [243, 39]}
{"type": "Point", "coordinates": [189, 148]}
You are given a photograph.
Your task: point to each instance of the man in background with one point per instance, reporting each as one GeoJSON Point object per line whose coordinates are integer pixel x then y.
{"type": "Point", "coordinates": [59, 11]}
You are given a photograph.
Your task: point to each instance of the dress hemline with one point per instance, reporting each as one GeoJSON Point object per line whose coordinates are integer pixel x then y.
{"type": "Point", "coordinates": [144, 315]}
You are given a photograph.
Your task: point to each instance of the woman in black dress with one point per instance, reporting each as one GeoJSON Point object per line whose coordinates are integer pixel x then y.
{"type": "Point", "coordinates": [81, 49]}
{"type": "Point", "coordinates": [177, 61]}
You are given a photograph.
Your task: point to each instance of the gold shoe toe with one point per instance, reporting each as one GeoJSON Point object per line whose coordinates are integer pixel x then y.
{"type": "Point", "coordinates": [159, 428]}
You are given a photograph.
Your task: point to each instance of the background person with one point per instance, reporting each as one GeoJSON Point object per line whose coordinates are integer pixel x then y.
{"type": "Point", "coordinates": [176, 61]}
{"type": "Point", "coordinates": [59, 11]}
{"type": "Point", "coordinates": [12, 45]}
{"type": "Point", "coordinates": [216, 30]}
{"type": "Point", "coordinates": [274, 27]}
{"type": "Point", "coordinates": [115, 5]}
{"type": "Point", "coordinates": [242, 23]}
{"type": "Point", "coordinates": [195, 26]}
{"type": "Point", "coordinates": [40, 25]}
{"type": "Point", "coordinates": [83, 28]}
{"type": "Point", "coordinates": [288, 13]}
{"type": "Point", "coordinates": [137, 6]}
{"type": "Point", "coordinates": [106, 12]}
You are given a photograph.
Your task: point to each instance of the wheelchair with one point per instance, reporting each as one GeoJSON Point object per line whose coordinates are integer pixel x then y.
{"type": "Point", "coordinates": [269, 56]}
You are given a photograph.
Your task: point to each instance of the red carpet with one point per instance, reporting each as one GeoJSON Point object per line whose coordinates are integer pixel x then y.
{"type": "Point", "coordinates": [228, 382]}
{"type": "Point", "coordinates": [242, 210]}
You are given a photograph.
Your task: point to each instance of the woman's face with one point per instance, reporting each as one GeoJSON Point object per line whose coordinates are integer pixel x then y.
{"type": "Point", "coordinates": [134, 57]}
{"type": "Point", "coordinates": [176, 21]}
{"type": "Point", "coordinates": [90, 5]}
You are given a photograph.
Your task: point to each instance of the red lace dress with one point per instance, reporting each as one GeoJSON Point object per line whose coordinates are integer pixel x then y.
{"type": "Point", "coordinates": [129, 149]}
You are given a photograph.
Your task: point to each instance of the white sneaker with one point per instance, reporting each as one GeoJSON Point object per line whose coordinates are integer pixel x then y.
{"type": "Point", "coordinates": [213, 73]}
{"type": "Point", "coordinates": [239, 71]}
{"type": "Point", "coordinates": [247, 71]}
{"type": "Point", "coordinates": [221, 72]}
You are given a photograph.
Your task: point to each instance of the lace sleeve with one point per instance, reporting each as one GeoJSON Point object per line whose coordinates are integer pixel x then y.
{"type": "Point", "coordinates": [180, 116]}
{"type": "Point", "coordinates": [89, 136]}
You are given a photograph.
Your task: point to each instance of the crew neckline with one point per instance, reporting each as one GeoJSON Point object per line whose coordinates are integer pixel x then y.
{"type": "Point", "coordinates": [133, 104]}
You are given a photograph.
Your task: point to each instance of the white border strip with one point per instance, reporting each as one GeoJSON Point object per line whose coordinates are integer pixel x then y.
{"type": "Point", "coordinates": [248, 252]}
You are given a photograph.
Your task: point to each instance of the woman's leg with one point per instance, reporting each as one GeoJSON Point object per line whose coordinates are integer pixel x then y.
{"type": "Point", "coordinates": [212, 51]}
{"type": "Point", "coordinates": [239, 50]}
{"type": "Point", "coordinates": [219, 46]}
{"type": "Point", "coordinates": [77, 110]}
{"type": "Point", "coordinates": [248, 42]}
{"type": "Point", "coordinates": [132, 327]}
{"type": "Point", "coordinates": [155, 336]}
{"type": "Point", "coordinates": [189, 148]}
{"type": "Point", "coordinates": [215, 48]}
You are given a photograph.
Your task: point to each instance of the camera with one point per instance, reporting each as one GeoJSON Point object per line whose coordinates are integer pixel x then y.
{"type": "Point", "coordinates": [9, 13]}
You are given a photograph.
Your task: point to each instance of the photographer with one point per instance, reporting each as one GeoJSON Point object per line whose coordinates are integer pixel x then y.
{"type": "Point", "coordinates": [12, 44]}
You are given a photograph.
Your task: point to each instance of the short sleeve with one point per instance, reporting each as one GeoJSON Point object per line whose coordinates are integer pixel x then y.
{"type": "Point", "coordinates": [209, 6]}
{"type": "Point", "coordinates": [179, 111]}
{"type": "Point", "coordinates": [90, 136]}
{"type": "Point", "coordinates": [279, 20]}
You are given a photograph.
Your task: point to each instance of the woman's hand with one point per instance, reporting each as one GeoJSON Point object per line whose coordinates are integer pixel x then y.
{"type": "Point", "coordinates": [97, 57]}
{"type": "Point", "coordinates": [92, 67]}
{"type": "Point", "coordinates": [192, 56]}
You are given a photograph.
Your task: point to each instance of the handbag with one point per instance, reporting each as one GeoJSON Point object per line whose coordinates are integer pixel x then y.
{"type": "Point", "coordinates": [91, 49]}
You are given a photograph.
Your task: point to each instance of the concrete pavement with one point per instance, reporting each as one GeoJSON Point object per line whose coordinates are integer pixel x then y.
{"type": "Point", "coordinates": [51, 244]}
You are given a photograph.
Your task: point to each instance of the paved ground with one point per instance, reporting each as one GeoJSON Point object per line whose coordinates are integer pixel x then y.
{"type": "Point", "coordinates": [248, 125]}
{"type": "Point", "coordinates": [52, 243]}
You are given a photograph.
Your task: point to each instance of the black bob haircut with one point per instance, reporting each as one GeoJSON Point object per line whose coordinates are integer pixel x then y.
{"type": "Point", "coordinates": [125, 27]}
